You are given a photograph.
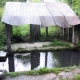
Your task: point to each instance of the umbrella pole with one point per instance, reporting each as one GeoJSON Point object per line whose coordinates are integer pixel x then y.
{"type": "Point", "coordinates": [8, 29]}
{"type": "Point", "coordinates": [73, 41]}
{"type": "Point", "coordinates": [46, 32]}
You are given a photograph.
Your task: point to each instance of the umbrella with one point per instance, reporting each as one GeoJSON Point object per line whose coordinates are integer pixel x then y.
{"type": "Point", "coordinates": [44, 14]}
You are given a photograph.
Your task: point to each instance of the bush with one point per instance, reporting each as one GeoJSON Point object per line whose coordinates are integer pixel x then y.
{"type": "Point", "coordinates": [2, 35]}
{"type": "Point", "coordinates": [20, 33]}
{"type": "Point", "coordinates": [2, 30]}
{"type": "Point", "coordinates": [59, 43]}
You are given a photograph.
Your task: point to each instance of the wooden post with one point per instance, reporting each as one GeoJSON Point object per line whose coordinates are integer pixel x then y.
{"type": "Point", "coordinates": [34, 32]}
{"type": "Point", "coordinates": [46, 32]}
{"type": "Point", "coordinates": [75, 34]}
{"type": "Point", "coordinates": [11, 63]}
{"type": "Point", "coordinates": [35, 59]}
{"type": "Point", "coordinates": [63, 31]}
{"type": "Point", "coordinates": [46, 54]}
{"type": "Point", "coordinates": [8, 29]}
{"type": "Point", "coordinates": [65, 34]}
{"type": "Point", "coordinates": [70, 34]}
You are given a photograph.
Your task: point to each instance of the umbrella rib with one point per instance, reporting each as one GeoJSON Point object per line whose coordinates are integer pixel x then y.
{"type": "Point", "coordinates": [63, 15]}
{"type": "Point", "coordinates": [52, 15]}
{"type": "Point", "coordinates": [38, 15]}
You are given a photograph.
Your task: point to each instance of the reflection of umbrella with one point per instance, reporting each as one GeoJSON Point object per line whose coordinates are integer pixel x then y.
{"type": "Point", "coordinates": [44, 14]}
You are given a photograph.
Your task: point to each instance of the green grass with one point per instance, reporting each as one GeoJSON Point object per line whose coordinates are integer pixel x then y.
{"type": "Point", "coordinates": [57, 70]}
{"type": "Point", "coordinates": [77, 77]}
{"type": "Point", "coordinates": [37, 72]}
{"type": "Point", "coordinates": [44, 71]}
{"type": "Point", "coordinates": [59, 43]}
{"type": "Point", "coordinates": [14, 74]}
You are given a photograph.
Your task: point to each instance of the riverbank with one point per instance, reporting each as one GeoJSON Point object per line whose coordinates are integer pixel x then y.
{"type": "Point", "coordinates": [56, 74]}
{"type": "Point", "coordinates": [66, 74]}
{"type": "Point", "coordinates": [38, 47]}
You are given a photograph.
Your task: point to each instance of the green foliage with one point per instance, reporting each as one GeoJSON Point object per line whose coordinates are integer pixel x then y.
{"type": "Point", "coordinates": [77, 77]}
{"type": "Point", "coordinates": [73, 67]}
{"type": "Point", "coordinates": [2, 30]}
{"type": "Point", "coordinates": [53, 32]}
{"type": "Point", "coordinates": [45, 45]}
{"type": "Point", "coordinates": [1, 12]}
{"type": "Point", "coordinates": [59, 43]}
{"type": "Point", "coordinates": [35, 0]}
{"type": "Point", "coordinates": [14, 74]}
{"type": "Point", "coordinates": [32, 72]}
{"type": "Point", "coordinates": [57, 70]}
{"type": "Point", "coordinates": [78, 44]}
{"type": "Point", "coordinates": [67, 70]}
{"type": "Point", "coordinates": [2, 35]}
{"type": "Point", "coordinates": [21, 32]}
{"type": "Point", "coordinates": [37, 72]}
{"type": "Point", "coordinates": [17, 0]}
{"type": "Point", "coordinates": [44, 70]}
{"type": "Point", "coordinates": [75, 5]}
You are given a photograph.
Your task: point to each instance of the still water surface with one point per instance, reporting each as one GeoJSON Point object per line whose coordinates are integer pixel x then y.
{"type": "Point", "coordinates": [29, 61]}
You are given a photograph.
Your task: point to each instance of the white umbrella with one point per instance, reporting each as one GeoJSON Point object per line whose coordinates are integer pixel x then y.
{"type": "Point", "coordinates": [44, 14]}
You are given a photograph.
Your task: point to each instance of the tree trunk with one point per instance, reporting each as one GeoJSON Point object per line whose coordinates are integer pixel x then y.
{"type": "Point", "coordinates": [46, 32]}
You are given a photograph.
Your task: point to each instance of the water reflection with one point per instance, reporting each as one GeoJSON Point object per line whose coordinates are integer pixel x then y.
{"type": "Point", "coordinates": [22, 62]}
{"type": "Point", "coordinates": [36, 60]}
{"type": "Point", "coordinates": [11, 63]}
{"type": "Point", "coordinates": [67, 58]}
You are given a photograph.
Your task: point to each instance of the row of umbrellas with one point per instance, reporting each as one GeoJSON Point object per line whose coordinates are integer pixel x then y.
{"type": "Point", "coordinates": [44, 14]}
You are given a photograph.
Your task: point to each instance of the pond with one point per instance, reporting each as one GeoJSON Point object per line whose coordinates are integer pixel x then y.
{"type": "Point", "coordinates": [36, 60]}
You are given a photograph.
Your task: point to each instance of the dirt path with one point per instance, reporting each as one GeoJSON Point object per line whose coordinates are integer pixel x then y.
{"type": "Point", "coordinates": [48, 76]}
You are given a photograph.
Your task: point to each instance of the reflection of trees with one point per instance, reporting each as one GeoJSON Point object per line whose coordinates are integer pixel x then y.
{"type": "Point", "coordinates": [24, 58]}
{"type": "Point", "coordinates": [55, 60]}
{"type": "Point", "coordinates": [46, 54]}
{"type": "Point", "coordinates": [11, 63]}
{"type": "Point", "coordinates": [35, 59]}
{"type": "Point", "coordinates": [67, 58]}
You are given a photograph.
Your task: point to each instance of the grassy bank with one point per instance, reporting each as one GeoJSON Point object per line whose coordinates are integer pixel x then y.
{"type": "Point", "coordinates": [43, 71]}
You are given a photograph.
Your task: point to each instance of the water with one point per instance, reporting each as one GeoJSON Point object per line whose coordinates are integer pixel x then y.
{"type": "Point", "coordinates": [36, 60]}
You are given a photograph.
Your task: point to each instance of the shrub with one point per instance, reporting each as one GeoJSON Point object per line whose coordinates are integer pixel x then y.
{"type": "Point", "coordinates": [2, 35]}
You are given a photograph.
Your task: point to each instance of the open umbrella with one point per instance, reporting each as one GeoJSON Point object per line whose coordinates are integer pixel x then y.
{"type": "Point", "coordinates": [44, 14]}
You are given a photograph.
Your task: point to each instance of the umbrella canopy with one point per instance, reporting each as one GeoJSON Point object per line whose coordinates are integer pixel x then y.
{"type": "Point", "coordinates": [44, 14]}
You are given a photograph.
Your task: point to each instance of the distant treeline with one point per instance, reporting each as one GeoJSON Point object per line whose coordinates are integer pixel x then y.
{"type": "Point", "coordinates": [2, 3]}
